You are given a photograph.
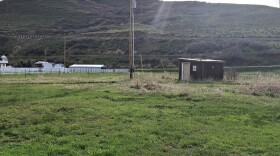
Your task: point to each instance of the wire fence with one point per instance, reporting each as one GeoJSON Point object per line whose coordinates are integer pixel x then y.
{"type": "Point", "coordinates": [274, 68]}
{"type": "Point", "coordinates": [7, 71]}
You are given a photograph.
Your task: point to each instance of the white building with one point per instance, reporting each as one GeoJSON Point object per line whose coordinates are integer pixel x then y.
{"type": "Point", "coordinates": [86, 67]}
{"type": "Point", "coordinates": [48, 67]}
{"type": "Point", "coordinates": [95, 66]}
{"type": "Point", "coordinates": [43, 64]}
{"type": "Point", "coordinates": [3, 62]}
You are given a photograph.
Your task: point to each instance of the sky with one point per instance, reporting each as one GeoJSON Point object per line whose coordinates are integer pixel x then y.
{"type": "Point", "coordinates": [273, 3]}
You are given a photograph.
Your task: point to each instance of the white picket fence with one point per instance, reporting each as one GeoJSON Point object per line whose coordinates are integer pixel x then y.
{"type": "Point", "coordinates": [5, 71]}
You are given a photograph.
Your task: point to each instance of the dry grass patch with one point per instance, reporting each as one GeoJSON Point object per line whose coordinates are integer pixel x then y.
{"type": "Point", "coordinates": [168, 85]}
{"type": "Point", "coordinates": [61, 79]}
{"type": "Point", "coordinates": [149, 82]}
{"type": "Point", "coordinates": [262, 84]}
{"type": "Point", "coordinates": [156, 82]}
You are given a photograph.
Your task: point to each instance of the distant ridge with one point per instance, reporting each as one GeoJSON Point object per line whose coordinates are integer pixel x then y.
{"type": "Point", "coordinates": [97, 29]}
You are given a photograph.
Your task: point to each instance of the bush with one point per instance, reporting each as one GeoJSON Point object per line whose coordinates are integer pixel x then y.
{"type": "Point", "coordinates": [151, 82]}
{"type": "Point", "coordinates": [264, 85]}
{"type": "Point", "coordinates": [231, 74]}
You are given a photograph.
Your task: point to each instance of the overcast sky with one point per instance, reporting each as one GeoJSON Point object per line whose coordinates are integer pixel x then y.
{"type": "Point", "coordinates": [274, 3]}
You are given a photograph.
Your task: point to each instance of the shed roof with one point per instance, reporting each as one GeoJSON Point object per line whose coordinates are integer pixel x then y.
{"type": "Point", "coordinates": [200, 60]}
{"type": "Point", "coordinates": [87, 66]}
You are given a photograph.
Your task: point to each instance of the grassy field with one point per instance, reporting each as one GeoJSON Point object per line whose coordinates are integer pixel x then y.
{"type": "Point", "coordinates": [107, 114]}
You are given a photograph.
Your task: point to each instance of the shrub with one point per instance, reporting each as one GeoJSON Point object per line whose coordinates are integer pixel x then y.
{"type": "Point", "coordinates": [231, 74]}
{"type": "Point", "coordinates": [266, 85]}
{"type": "Point", "coordinates": [151, 82]}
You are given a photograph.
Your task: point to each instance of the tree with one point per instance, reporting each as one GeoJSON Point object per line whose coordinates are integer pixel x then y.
{"type": "Point", "coordinates": [29, 63]}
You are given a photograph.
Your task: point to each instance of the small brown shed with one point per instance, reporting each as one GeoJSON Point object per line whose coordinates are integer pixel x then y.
{"type": "Point", "coordinates": [200, 69]}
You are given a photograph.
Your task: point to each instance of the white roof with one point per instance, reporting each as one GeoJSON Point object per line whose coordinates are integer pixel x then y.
{"type": "Point", "coordinates": [3, 57]}
{"type": "Point", "coordinates": [42, 62]}
{"type": "Point", "coordinates": [87, 66]}
{"type": "Point", "coordinates": [201, 60]}
{"type": "Point", "coordinates": [4, 60]}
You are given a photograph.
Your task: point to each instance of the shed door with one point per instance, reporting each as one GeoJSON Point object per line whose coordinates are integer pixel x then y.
{"type": "Point", "coordinates": [186, 71]}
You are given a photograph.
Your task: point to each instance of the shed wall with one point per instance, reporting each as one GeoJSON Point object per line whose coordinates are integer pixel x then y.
{"type": "Point", "coordinates": [213, 71]}
{"type": "Point", "coordinates": [204, 70]}
{"type": "Point", "coordinates": [196, 74]}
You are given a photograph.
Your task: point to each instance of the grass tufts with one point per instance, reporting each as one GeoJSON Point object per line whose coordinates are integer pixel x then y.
{"type": "Point", "coordinates": [263, 85]}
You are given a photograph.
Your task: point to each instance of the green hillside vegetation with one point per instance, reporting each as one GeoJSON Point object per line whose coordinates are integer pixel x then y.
{"type": "Point", "coordinates": [97, 32]}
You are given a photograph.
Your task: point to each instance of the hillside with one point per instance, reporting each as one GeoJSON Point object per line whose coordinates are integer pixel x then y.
{"type": "Point", "coordinates": [97, 32]}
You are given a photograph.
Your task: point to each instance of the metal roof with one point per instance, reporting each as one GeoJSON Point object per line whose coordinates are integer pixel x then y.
{"type": "Point", "coordinates": [201, 60]}
{"type": "Point", "coordinates": [42, 62]}
{"type": "Point", "coordinates": [87, 66]}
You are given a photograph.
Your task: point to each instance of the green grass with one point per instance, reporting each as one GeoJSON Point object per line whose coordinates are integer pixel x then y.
{"type": "Point", "coordinates": [100, 114]}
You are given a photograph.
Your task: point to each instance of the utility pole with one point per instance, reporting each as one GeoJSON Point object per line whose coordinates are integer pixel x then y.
{"type": "Point", "coordinates": [45, 55]}
{"type": "Point", "coordinates": [133, 41]}
{"type": "Point", "coordinates": [141, 14]}
{"type": "Point", "coordinates": [131, 38]}
{"type": "Point", "coordinates": [141, 59]}
{"type": "Point", "coordinates": [130, 41]}
{"type": "Point", "coordinates": [65, 52]}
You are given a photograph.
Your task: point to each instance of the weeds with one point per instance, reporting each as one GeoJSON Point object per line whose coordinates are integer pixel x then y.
{"type": "Point", "coordinates": [231, 74]}
{"type": "Point", "coordinates": [148, 82]}
{"type": "Point", "coordinates": [267, 85]}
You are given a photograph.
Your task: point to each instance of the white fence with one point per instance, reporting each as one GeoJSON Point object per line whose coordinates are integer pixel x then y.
{"type": "Point", "coordinates": [92, 70]}
{"type": "Point", "coordinates": [19, 70]}
{"type": "Point", "coordinates": [58, 70]}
